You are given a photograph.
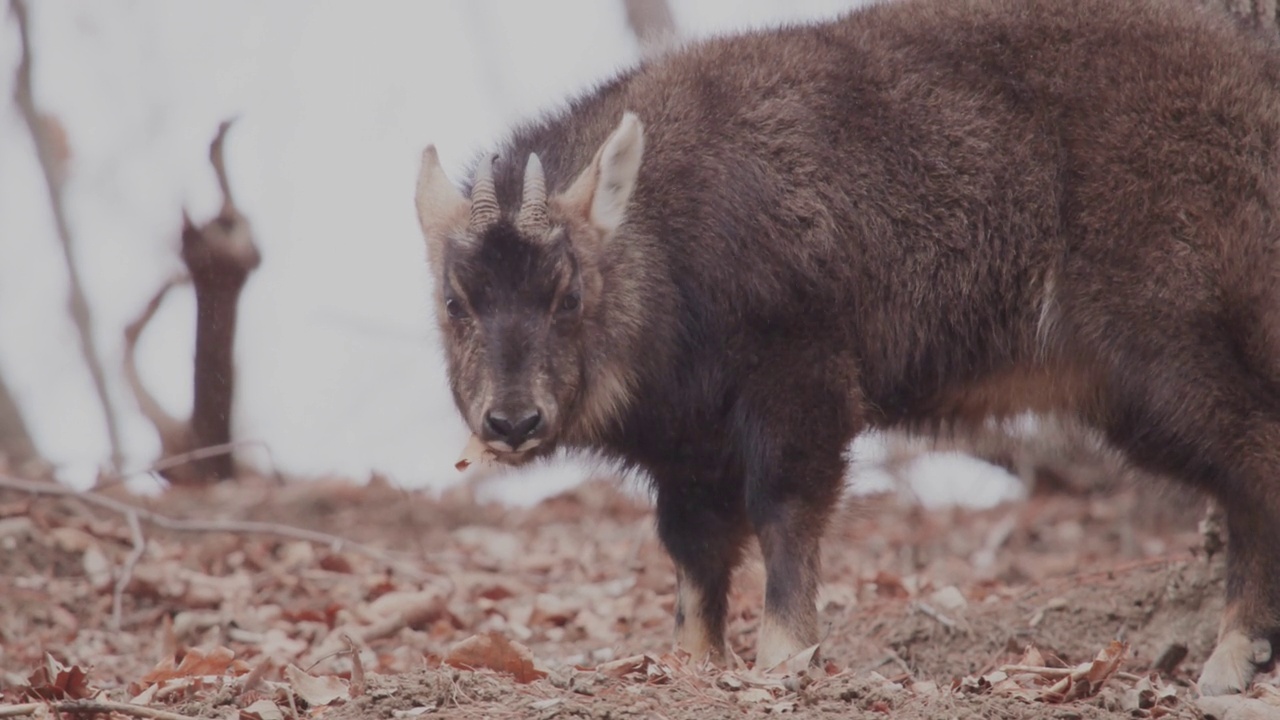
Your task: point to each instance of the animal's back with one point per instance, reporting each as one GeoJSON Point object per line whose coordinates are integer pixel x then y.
{"type": "Point", "coordinates": [933, 166]}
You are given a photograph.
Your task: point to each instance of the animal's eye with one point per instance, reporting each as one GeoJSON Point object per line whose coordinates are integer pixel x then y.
{"type": "Point", "coordinates": [454, 308]}
{"type": "Point", "coordinates": [571, 302]}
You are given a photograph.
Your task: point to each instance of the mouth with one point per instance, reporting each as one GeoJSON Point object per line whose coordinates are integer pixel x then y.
{"type": "Point", "coordinates": [500, 447]}
{"type": "Point", "coordinates": [487, 453]}
{"type": "Point", "coordinates": [515, 457]}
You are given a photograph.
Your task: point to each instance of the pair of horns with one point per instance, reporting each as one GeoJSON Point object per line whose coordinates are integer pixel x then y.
{"type": "Point", "coordinates": [532, 217]}
{"type": "Point", "coordinates": [600, 195]}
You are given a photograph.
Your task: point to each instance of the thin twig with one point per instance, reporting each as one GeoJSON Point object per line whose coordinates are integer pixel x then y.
{"type": "Point", "coordinates": [171, 461]}
{"type": "Point", "coordinates": [356, 688]}
{"type": "Point", "coordinates": [254, 678]}
{"type": "Point", "coordinates": [890, 656]}
{"type": "Point", "coordinates": [1037, 670]}
{"type": "Point", "coordinates": [198, 454]}
{"type": "Point", "coordinates": [76, 707]}
{"type": "Point", "coordinates": [293, 704]}
{"type": "Point", "coordinates": [207, 526]}
{"type": "Point", "coordinates": [942, 619]}
{"type": "Point", "coordinates": [49, 164]}
{"type": "Point", "coordinates": [126, 572]}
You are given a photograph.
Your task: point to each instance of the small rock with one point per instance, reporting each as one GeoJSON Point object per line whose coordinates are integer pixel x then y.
{"type": "Point", "coordinates": [949, 598]}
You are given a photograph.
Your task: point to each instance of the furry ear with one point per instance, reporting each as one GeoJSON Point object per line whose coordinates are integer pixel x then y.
{"type": "Point", "coordinates": [442, 210]}
{"type": "Point", "coordinates": [600, 195]}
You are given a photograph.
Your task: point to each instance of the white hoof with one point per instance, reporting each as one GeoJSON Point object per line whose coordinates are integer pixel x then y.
{"type": "Point", "coordinates": [1233, 664]}
{"type": "Point", "coordinates": [776, 645]}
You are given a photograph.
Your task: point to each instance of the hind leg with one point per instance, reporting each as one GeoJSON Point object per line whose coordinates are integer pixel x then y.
{"type": "Point", "coordinates": [1249, 632]}
{"type": "Point", "coordinates": [1249, 635]}
{"type": "Point", "coordinates": [1197, 413]}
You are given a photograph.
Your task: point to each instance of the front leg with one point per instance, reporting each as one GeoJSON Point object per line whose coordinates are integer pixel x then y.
{"type": "Point", "coordinates": [794, 478]}
{"type": "Point", "coordinates": [703, 525]}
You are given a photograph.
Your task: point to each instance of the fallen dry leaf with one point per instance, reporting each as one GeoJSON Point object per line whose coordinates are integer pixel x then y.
{"type": "Point", "coordinates": [495, 652]}
{"type": "Point", "coordinates": [393, 611]}
{"type": "Point", "coordinates": [55, 681]}
{"type": "Point", "coordinates": [797, 663]}
{"type": "Point", "coordinates": [1030, 680]}
{"type": "Point", "coordinates": [315, 691]}
{"type": "Point", "coordinates": [1057, 603]}
{"type": "Point", "coordinates": [579, 579]}
{"type": "Point", "coordinates": [729, 681]}
{"type": "Point", "coordinates": [1089, 678]}
{"type": "Point", "coordinates": [622, 667]}
{"type": "Point", "coordinates": [786, 706]}
{"type": "Point", "coordinates": [195, 663]}
{"type": "Point", "coordinates": [754, 695]}
{"type": "Point", "coordinates": [1107, 662]}
{"type": "Point", "coordinates": [97, 568]}
{"type": "Point", "coordinates": [262, 710]}
{"type": "Point", "coordinates": [1031, 656]}
{"type": "Point", "coordinates": [1148, 693]}
{"type": "Point", "coordinates": [71, 540]}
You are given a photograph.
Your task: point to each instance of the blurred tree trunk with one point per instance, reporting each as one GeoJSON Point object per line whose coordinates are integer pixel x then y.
{"type": "Point", "coordinates": [652, 24]}
{"type": "Point", "coordinates": [219, 255]}
{"type": "Point", "coordinates": [15, 440]}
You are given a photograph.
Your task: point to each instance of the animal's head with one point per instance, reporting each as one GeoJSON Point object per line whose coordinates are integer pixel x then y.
{"type": "Point", "coordinates": [520, 294]}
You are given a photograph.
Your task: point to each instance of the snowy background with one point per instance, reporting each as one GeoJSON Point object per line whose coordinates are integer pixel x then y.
{"type": "Point", "coordinates": [339, 372]}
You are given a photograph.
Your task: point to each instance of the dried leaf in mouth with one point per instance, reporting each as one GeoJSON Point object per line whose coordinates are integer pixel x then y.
{"type": "Point", "coordinates": [476, 452]}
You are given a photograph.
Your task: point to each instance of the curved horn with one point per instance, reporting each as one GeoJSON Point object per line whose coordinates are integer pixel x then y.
{"type": "Point", "coordinates": [533, 205]}
{"type": "Point", "coordinates": [484, 197]}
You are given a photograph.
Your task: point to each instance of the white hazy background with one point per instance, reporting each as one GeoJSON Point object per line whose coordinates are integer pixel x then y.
{"type": "Point", "coordinates": [339, 372]}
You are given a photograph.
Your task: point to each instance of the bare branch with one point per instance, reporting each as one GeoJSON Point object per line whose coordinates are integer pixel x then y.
{"type": "Point", "coordinates": [220, 167]}
{"type": "Point", "coordinates": [52, 165]}
{"type": "Point", "coordinates": [126, 572]}
{"type": "Point", "coordinates": [172, 461]}
{"type": "Point", "coordinates": [175, 435]}
{"type": "Point", "coordinates": [251, 527]}
{"type": "Point", "coordinates": [90, 707]}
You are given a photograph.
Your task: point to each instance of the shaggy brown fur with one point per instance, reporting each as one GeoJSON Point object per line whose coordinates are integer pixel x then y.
{"type": "Point", "coordinates": [927, 212]}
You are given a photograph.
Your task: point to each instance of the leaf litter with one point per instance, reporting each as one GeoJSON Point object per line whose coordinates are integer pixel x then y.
{"type": "Point", "coordinates": [1059, 607]}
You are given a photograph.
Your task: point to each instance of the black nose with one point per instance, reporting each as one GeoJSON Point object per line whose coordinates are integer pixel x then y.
{"type": "Point", "coordinates": [512, 432]}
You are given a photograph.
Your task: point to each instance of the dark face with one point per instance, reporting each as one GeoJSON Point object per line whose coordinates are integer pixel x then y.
{"type": "Point", "coordinates": [518, 300]}
{"type": "Point", "coordinates": [511, 312]}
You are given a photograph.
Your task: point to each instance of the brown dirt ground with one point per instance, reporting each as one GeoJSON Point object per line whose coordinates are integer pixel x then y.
{"type": "Point", "coordinates": [922, 608]}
